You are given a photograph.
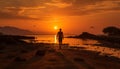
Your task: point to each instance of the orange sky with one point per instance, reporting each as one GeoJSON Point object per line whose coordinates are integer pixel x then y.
{"type": "Point", "coordinates": [73, 16]}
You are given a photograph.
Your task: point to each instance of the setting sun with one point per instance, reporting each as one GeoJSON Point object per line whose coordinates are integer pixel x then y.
{"type": "Point", "coordinates": [55, 27]}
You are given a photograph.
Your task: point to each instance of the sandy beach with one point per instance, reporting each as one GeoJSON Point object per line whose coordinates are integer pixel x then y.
{"type": "Point", "coordinates": [49, 56]}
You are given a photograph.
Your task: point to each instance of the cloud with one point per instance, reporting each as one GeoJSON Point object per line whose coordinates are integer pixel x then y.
{"type": "Point", "coordinates": [41, 8]}
{"type": "Point", "coordinates": [20, 9]}
{"type": "Point", "coordinates": [86, 7]}
{"type": "Point", "coordinates": [105, 5]}
{"type": "Point", "coordinates": [22, 3]}
{"type": "Point", "coordinates": [6, 15]}
{"type": "Point", "coordinates": [20, 12]}
{"type": "Point", "coordinates": [59, 5]}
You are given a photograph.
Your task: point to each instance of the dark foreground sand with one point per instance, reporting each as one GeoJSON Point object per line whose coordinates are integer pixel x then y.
{"type": "Point", "coordinates": [48, 56]}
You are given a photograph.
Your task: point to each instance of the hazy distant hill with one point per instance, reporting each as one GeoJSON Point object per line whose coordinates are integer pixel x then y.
{"type": "Point", "coordinates": [14, 31]}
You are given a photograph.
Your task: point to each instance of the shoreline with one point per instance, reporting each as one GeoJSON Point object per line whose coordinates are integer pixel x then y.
{"type": "Point", "coordinates": [46, 55]}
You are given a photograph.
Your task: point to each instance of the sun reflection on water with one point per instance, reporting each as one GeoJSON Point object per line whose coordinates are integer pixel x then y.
{"type": "Point", "coordinates": [55, 39]}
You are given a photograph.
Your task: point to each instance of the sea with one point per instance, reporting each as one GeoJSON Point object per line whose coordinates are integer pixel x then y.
{"type": "Point", "coordinates": [91, 45]}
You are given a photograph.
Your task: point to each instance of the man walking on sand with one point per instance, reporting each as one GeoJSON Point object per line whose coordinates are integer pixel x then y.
{"type": "Point", "coordinates": [60, 37]}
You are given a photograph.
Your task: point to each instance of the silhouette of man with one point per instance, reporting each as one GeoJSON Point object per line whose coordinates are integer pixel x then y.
{"type": "Point", "coordinates": [60, 37]}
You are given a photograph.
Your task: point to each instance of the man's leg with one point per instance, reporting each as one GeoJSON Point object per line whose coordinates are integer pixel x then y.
{"type": "Point", "coordinates": [60, 44]}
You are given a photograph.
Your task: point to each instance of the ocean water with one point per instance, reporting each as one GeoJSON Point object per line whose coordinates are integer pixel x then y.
{"type": "Point", "coordinates": [70, 41]}
{"type": "Point", "coordinates": [87, 44]}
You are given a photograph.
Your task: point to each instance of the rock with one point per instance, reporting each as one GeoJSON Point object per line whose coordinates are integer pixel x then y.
{"type": "Point", "coordinates": [19, 59]}
{"type": "Point", "coordinates": [78, 60]}
{"type": "Point", "coordinates": [40, 53]}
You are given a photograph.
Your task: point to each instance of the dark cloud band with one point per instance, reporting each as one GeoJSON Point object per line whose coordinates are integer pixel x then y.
{"type": "Point", "coordinates": [21, 9]}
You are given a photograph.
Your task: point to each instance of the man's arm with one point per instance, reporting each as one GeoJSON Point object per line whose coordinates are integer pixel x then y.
{"type": "Point", "coordinates": [62, 35]}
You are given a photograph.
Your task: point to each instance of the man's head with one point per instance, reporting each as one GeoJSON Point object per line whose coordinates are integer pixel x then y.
{"type": "Point", "coordinates": [60, 29]}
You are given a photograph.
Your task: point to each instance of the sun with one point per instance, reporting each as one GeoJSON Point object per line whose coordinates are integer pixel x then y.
{"type": "Point", "coordinates": [55, 27]}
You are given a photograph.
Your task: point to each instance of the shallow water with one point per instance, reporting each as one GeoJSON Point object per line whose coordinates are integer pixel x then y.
{"type": "Point", "coordinates": [88, 44]}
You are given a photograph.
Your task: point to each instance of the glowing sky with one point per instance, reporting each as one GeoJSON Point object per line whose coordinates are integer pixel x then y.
{"type": "Point", "coordinates": [74, 16]}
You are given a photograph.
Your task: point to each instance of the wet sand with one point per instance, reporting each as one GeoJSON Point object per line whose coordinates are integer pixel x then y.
{"type": "Point", "coordinates": [49, 56]}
